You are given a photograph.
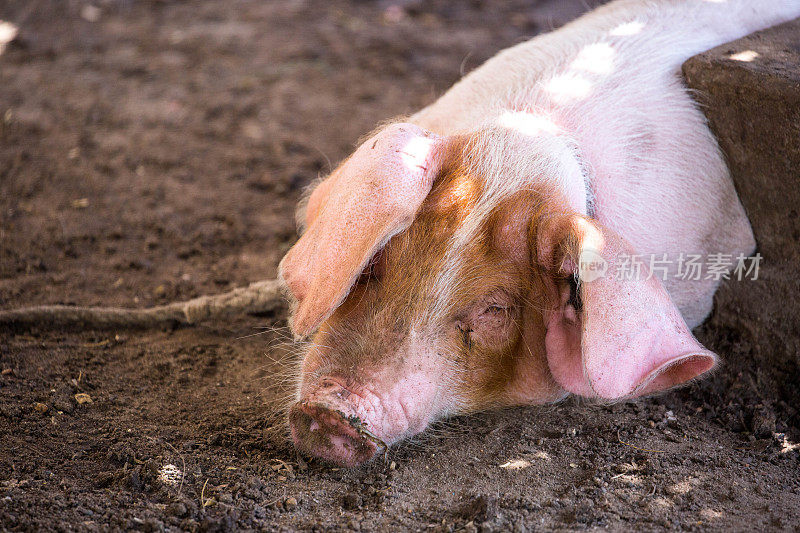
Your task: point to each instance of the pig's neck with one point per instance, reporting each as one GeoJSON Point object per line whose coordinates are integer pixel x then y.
{"type": "Point", "coordinates": [521, 151]}
{"type": "Point", "coordinates": [614, 55]}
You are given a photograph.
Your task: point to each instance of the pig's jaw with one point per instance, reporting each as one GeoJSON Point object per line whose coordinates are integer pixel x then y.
{"type": "Point", "coordinates": [347, 423]}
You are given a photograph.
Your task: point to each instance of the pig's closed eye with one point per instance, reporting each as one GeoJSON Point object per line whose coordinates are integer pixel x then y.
{"type": "Point", "coordinates": [495, 310]}
{"type": "Point", "coordinates": [486, 324]}
{"type": "Point", "coordinates": [466, 335]}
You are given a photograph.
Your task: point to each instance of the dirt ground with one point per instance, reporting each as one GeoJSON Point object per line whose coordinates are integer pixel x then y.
{"type": "Point", "coordinates": [152, 151]}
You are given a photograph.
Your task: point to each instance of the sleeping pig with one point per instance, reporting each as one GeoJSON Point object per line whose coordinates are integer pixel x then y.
{"type": "Point", "coordinates": [469, 256]}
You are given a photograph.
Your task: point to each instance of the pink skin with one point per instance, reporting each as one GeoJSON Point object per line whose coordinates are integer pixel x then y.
{"type": "Point", "coordinates": [347, 421]}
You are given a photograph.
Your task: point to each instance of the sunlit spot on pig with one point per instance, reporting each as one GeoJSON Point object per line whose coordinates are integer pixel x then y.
{"type": "Point", "coordinates": [528, 124]}
{"type": "Point", "coordinates": [569, 87]}
{"type": "Point", "coordinates": [633, 27]}
{"type": "Point", "coordinates": [416, 152]}
{"type": "Point", "coordinates": [596, 58]}
{"type": "Point", "coordinates": [461, 194]}
{"type": "Point", "coordinates": [745, 57]}
{"type": "Point", "coordinates": [8, 32]}
{"type": "Point", "coordinates": [593, 239]}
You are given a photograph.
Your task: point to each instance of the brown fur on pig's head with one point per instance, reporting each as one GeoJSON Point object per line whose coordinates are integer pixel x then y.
{"type": "Point", "coordinates": [474, 307]}
{"type": "Point", "coordinates": [468, 293]}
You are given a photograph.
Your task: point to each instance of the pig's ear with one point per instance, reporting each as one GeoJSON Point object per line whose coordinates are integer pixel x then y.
{"type": "Point", "coordinates": [371, 197]}
{"type": "Point", "coordinates": [607, 337]}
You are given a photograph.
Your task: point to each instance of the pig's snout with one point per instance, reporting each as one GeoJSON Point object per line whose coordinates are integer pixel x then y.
{"type": "Point", "coordinates": [327, 428]}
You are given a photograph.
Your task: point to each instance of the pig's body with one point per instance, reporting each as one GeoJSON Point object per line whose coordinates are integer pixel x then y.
{"type": "Point", "coordinates": [438, 270]}
{"type": "Point", "coordinates": [610, 83]}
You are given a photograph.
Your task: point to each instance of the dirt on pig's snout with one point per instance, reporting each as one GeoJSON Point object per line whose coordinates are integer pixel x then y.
{"type": "Point", "coordinates": [342, 439]}
{"type": "Point", "coordinates": [157, 154]}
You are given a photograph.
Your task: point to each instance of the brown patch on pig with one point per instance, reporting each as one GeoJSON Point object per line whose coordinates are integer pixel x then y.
{"type": "Point", "coordinates": [499, 258]}
{"type": "Point", "coordinates": [504, 253]}
{"type": "Point", "coordinates": [395, 286]}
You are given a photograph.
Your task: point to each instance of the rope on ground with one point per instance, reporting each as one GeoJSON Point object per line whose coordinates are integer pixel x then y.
{"type": "Point", "coordinates": [258, 297]}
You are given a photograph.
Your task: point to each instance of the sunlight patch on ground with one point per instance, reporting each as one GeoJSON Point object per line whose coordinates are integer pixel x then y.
{"type": "Point", "coordinates": [786, 446]}
{"type": "Point", "coordinates": [8, 32]}
{"type": "Point", "coordinates": [628, 478]}
{"type": "Point", "coordinates": [746, 57]}
{"type": "Point", "coordinates": [516, 464]}
{"type": "Point", "coordinates": [662, 502]}
{"type": "Point", "coordinates": [680, 488]}
{"type": "Point", "coordinates": [170, 475]}
{"type": "Point", "coordinates": [710, 514]}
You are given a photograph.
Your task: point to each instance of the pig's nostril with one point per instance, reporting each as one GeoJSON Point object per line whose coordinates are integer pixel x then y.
{"type": "Point", "coordinates": [325, 433]}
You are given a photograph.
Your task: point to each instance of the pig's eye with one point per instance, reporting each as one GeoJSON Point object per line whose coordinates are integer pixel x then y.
{"type": "Point", "coordinates": [466, 335]}
{"type": "Point", "coordinates": [495, 310]}
{"type": "Point", "coordinates": [488, 322]}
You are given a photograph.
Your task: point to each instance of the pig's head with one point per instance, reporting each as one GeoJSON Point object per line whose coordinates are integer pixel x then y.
{"type": "Point", "coordinates": [435, 276]}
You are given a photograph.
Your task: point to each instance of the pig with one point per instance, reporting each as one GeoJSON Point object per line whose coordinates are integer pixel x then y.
{"type": "Point", "coordinates": [460, 258]}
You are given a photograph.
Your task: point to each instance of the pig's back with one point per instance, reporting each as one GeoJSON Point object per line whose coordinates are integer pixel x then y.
{"type": "Point", "coordinates": [649, 38]}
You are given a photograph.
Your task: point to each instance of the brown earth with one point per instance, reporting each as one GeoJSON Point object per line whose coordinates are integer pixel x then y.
{"type": "Point", "coordinates": [152, 151]}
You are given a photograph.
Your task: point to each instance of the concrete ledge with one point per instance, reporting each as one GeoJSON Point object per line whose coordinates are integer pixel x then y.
{"type": "Point", "coordinates": [750, 92]}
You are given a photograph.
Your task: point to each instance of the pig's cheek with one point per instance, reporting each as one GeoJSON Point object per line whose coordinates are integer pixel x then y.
{"type": "Point", "coordinates": [492, 331]}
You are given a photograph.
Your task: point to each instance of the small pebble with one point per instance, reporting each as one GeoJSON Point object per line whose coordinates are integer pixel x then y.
{"type": "Point", "coordinates": [83, 398]}
{"type": "Point", "coordinates": [290, 503]}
